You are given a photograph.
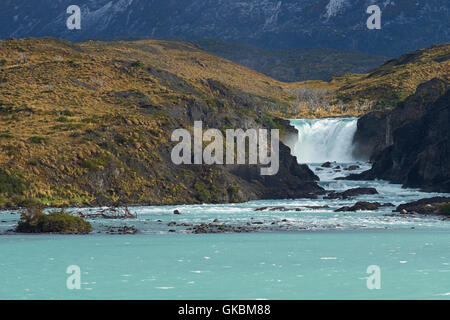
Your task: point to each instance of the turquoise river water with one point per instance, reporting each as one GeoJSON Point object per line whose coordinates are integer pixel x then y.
{"type": "Point", "coordinates": [315, 254]}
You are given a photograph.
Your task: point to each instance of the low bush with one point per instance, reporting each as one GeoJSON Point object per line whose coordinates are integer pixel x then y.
{"type": "Point", "coordinates": [37, 139]}
{"type": "Point", "coordinates": [11, 183]}
{"type": "Point", "coordinates": [34, 220]}
{"type": "Point", "coordinates": [445, 209]}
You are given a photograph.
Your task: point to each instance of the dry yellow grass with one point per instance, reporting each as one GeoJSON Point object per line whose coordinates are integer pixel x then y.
{"type": "Point", "coordinates": [67, 109]}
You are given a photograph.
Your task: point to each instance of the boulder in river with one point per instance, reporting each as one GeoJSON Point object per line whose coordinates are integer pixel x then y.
{"type": "Point", "coordinates": [327, 164]}
{"type": "Point", "coordinates": [435, 205]}
{"type": "Point", "coordinates": [351, 193]}
{"type": "Point", "coordinates": [122, 230]}
{"type": "Point", "coordinates": [361, 206]}
{"type": "Point", "coordinates": [317, 207]}
{"type": "Point", "coordinates": [277, 209]}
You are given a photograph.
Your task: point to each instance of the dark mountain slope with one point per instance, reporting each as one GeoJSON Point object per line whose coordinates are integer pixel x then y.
{"type": "Point", "coordinates": [292, 65]}
{"type": "Point", "coordinates": [340, 24]}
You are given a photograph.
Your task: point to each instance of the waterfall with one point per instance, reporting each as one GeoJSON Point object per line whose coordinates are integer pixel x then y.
{"type": "Point", "coordinates": [321, 140]}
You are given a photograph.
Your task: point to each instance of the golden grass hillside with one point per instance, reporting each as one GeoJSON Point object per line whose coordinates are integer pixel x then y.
{"type": "Point", "coordinates": [387, 85]}
{"type": "Point", "coordinates": [90, 123]}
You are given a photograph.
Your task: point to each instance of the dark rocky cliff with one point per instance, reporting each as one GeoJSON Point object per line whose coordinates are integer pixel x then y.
{"type": "Point", "coordinates": [376, 129]}
{"type": "Point", "coordinates": [410, 144]}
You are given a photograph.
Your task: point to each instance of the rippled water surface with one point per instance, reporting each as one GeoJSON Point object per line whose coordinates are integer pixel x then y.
{"type": "Point", "coordinates": [307, 254]}
{"type": "Point", "coordinates": [319, 253]}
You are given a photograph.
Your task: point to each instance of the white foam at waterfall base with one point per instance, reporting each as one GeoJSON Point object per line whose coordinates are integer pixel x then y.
{"type": "Point", "coordinates": [321, 140]}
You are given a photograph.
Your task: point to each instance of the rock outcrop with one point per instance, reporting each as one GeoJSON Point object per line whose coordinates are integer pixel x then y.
{"type": "Point", "coordinates": [435, 205]}
{"type": "Point", "coordinates": [351, 193]}
{"type": "Point", "coordinates": [412, 143]}
{"type": "Point", "coordinates": [364, 206]}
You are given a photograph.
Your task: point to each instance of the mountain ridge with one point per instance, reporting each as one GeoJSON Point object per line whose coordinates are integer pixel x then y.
{"type": "Point", "coordinates": [292, 65]}
{"type": "Point", "coordinates": [338, 24]}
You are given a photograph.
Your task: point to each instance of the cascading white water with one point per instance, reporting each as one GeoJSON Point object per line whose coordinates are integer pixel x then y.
{"type": "Point", "coordinates": [321, 140]}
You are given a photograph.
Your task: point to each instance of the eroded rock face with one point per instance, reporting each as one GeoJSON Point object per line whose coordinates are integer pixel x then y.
{"type": "Point", "coordinates": [412, 145]}
{"type": "Point", "coordinates": [375, 131]}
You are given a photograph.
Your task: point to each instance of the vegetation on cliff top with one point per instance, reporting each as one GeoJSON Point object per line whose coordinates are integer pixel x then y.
{"type": "Point", "coordinates": [388, 85]}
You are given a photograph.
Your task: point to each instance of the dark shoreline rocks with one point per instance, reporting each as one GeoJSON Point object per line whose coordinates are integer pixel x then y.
{"type": "Point", "coordinates": [364, 206]}
{"type": "Point", "coordinates": [351, 193]}
{"type": "Point", "coordinates": [122, 230]}
{"type": "Point", "coordinates": [433, 206]}
{"type": "Point", "coordinates": [352, 168]}
{"type": "Point", "coordinates": [249, 227]}
{"type": "Point", "coordinates": [327, 164]}
{"type": "Point", "coordinates": [285, 209]}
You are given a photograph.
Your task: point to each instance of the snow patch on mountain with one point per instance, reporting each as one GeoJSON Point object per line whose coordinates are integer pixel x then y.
{"type": "Point", "coordinates": [333, 7]}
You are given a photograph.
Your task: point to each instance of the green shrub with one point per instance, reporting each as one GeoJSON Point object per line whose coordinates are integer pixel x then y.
{"type": "Point", "coordinates": [67, 113]}
{"type": "Point", "coordinates": [445, 209]}
{"type": "Point", "coordinates": [35, 221]}
{"type": "Point", "coordinates": [203, 194]}
{"type": "Point", "coordinates": [68, 126]}
{"type": "Point", "coordinates": [233, 190]}
{"type": "Point", "coordinates": [11, 183]}
{"type": "Point", "coordinates": [6, 136]}
{"type": "Point", "coordinates": [37, 139]}
{"type": "Point", "coordinates": [23, 202]}
{"type": "Point", "coordinates": [97, 163]}
{"type": "Point", "coordinates": [63, 119]}
{"type": "Point", "coordinates": [92, 119]}
{"type": "Point", "coordinates": [121, 139]}
{"type": "Point", "coordinates": [33, 162]}
{"type": "Point", "coordinates": [138, 65]}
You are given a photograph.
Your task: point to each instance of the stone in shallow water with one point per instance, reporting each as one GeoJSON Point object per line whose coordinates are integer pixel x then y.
{"type": "Point", "coordinates": [435, 205]}
{"type": "Point", "coordinates": [351, 193]}
{"type": "Point", "coordinates": [327, 164]}
{"type": "Point", "coordinates": [361, 206]}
